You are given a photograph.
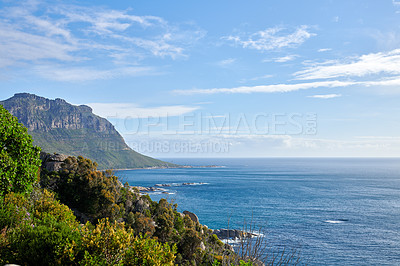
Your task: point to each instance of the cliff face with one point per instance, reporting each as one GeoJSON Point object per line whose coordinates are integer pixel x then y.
{"type": "Point", "coordinates": [41, 114]}
{"type": "Point", "coordinates": [57, 126]}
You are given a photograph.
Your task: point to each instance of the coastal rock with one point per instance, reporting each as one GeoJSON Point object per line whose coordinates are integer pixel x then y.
{"type": "Point", "coordinates": [52, 162]}
{"type": "Point", "coordinates": [229, 247]}
{"type": "Point", "coordinates": [141, 205]}
{"type": "Point", "coordinates": [119, 183]}
{"type": "Point", "coordinates": [162, 185]}
{"type": "Point", "coordinates": [148, 189]}
{"type": "Point", "coordinates": [232, 233]}
{"type": "Point", "coordinates": [202, 246]}
{"type": "Point", "coordinates": [192, 216]}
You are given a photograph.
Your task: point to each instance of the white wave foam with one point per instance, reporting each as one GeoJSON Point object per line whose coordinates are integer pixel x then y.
{"type": "Point", "coordinates": [333, 221]}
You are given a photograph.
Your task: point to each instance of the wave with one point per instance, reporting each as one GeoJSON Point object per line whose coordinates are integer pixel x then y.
{"type": "Point", "coordinates": [181, 184]}
{"type": "Point", "coordinates": [335, 221]}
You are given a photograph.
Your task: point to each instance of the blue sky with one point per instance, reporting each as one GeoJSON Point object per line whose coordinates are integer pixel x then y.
{"type": "Point", "coordinates": [217, 78]}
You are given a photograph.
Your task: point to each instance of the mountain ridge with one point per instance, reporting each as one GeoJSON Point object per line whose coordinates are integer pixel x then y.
{"type": "Point", "coordinates": [60, 127]}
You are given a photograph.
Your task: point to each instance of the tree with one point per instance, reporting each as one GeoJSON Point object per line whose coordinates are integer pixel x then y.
{"type": "Point", "coordinates": [19, 159]}
{"type": "Point", "coordinates": [82, 187]}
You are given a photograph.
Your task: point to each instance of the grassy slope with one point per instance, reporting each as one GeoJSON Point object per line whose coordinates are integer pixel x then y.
{"type": "Point", "coordinates": [108, 151]}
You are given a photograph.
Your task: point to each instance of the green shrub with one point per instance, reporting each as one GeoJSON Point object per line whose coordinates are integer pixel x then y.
{"type": "Point", "coordinates": [37, 230]}
{"type": "Point", "coordinates": [19, 159]}
{"type": "Point", "coordinates": [82, 187]}
{"type": "Point", "coordinates": [112, 244]}
{"type": "Point", "coordinates": [106, 244]}
{"type": "Point", "coordinates": [44, 243]}
{"type": "Point", "coordinates": [146, 251]}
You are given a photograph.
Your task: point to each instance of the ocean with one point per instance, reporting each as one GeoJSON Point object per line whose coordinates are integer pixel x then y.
{"type": "Point", "coordinates": [333, 211]}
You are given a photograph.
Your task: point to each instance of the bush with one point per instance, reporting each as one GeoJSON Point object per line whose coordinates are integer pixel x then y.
{"type": "Point", "coordinates": [44, 243]}
{"type": "Point", "coordinates": [146, 251]}
{"type": "Point", "coordinates": [79, 185]}
{"type": "Point", "coordinates": [112, 244]}
{"type": "Point", "coordinates": [37, 230]}
{"type": "Point", "coordinates": [19, 159]}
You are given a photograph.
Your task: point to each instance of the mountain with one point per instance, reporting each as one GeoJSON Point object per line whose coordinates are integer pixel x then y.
{"type": "Point", "coordinates": [59, 127]}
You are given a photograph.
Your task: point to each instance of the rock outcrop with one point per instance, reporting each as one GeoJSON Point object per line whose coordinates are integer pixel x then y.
{"type": "Point", "coordinates": [41, 114]}
{"type": "Point", "coordinates": [141, 205]}
{"type": "Point", "coordinates": [232, 233]}
{"type": "Point", "coordinates": [52, 162]}
{"type": "Point", "coordinates": [192, 216]}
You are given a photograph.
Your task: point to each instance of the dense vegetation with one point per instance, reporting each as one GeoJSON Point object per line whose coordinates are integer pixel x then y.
{"type": "Point", "coordinates": [82, 216]}
{"type": "Point", "coordinates": [98, 195]}
{"type": "Point", "coordinates": [19, 160]}
{"type": "Point", "coordinates": [121, 226]}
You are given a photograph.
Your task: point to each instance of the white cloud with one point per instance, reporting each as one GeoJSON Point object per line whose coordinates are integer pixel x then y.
{"type": "Point", "coordinates": [386, 39]}
{"type": "Point", "coordinates": [395, 81]}
{"type": "Point", "coordinates": [129, 110]}
{"type": "Point", "coordinates": [383, 69]}
{"type": "Point", "coordinates": [276, 88]}
{"type": "Point", "coordinates": [373, 146]}
{"type": "Point", "coordinates": [272, 38]}
{"type": "Point", "coordinates": [239, 145]}
{"type": "Point", "coordinates": [262, 77]}
{"type": "Point", "coordinates": [78, 74]}
{"type": "Point", "coordinates": [42, 33]}
{"type": "Point", "coordinates": [256, 78]}
{"type": "Point", "coordinates": [325, 96]}
{"type": "Point", "coordinates": [324, 50]}
{"type": "Point", "coordinates": [285, 58]}
{"type": "Point", "coordinates": [370, 64]}
{"type": "Point", "coordinates": [379, 137]}
{"type": "Point", "coordinates": [226, 62]}
{"type": "Point", "coordinates": [17, 46]}
{"type": "Point", "coordinates": [269, 88]}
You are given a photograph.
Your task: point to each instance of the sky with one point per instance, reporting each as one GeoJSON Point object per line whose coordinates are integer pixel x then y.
{"type": "Point", "coordinates": [312, 78]}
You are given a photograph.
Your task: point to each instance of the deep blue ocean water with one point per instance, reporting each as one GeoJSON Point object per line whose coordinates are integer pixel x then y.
{"type": "Point", "coordinates": [335, 211]}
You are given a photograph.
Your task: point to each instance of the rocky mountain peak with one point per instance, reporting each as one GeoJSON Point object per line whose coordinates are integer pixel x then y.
{"type": "Point", "coordinates": [41, 114]}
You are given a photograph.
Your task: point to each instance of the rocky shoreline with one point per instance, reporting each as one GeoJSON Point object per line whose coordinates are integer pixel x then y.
{"type": "Point", "coordinates": [233, 234]}
{"type": "Point", "coordinates": [223, 234]}
{"type": "Point", "coordinates": [160, 187]}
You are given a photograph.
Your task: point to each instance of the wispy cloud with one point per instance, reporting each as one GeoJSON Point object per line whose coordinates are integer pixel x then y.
{"type": "Point", "coordinates": [256, 78]}
{"type": "Point", "coordinates": [262, 77]}
{"type": "Point", "coordinates": [285, 58]}
{"type": "Point", "coordinates": [129, 110]}
{"type": "Point", "coordinates": [226, 62]}
{"type": "Point", "coordinates": [272, 145]}
{"type": "Point", "coordinates": [79, 74]}
{"type": "Point", "coordinates": [43, 33]}
{"type": "Point", "coordinates": [325, 96]}
{"type": "Point", "coordinates": [324, 50]}
{"type": "Point", "coordinates": [276, 88]}
{"type": "Point", "coordinates": [18, 47]}
{"type": "Point", "coordinates": [382, 69]}
{"type": "Point", "coordinates": [272, 38]}
{"type": "Point", "coordinates": [269, 88]}
{"type": "Point", "coordinates": [370, 64]}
